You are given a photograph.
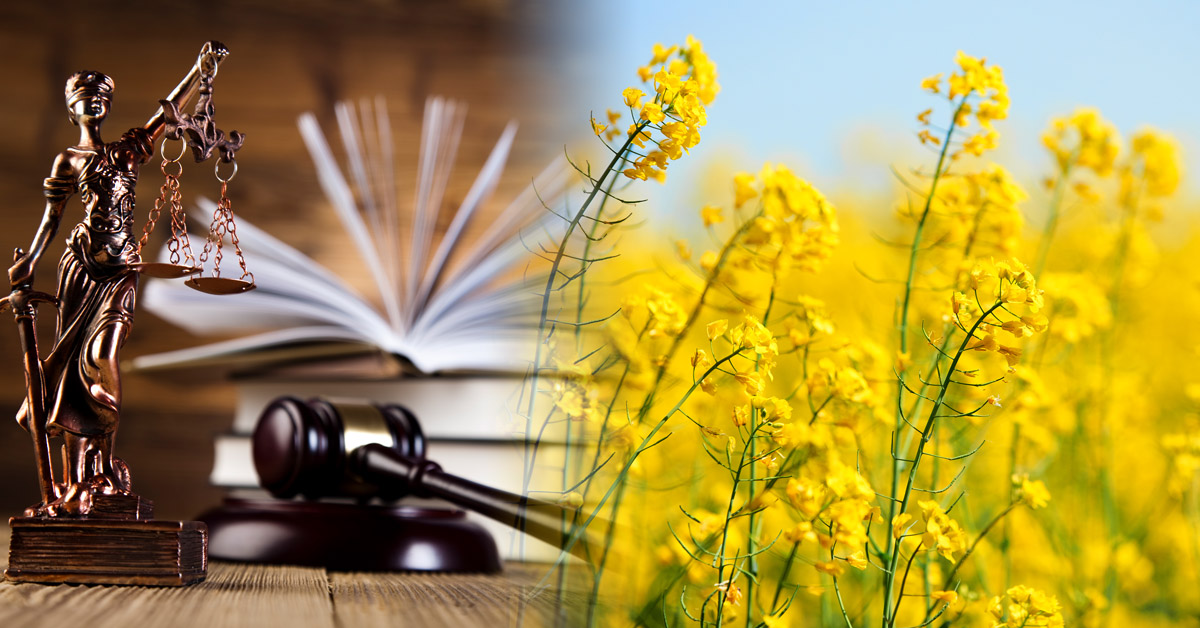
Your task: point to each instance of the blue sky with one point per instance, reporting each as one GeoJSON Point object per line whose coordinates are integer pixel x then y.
{"type": "Point", "coordinates": [832, 87]}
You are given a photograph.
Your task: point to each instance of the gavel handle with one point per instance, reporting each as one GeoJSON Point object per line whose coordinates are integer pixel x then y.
{"type": "Point", "coordinates": [425, 478]}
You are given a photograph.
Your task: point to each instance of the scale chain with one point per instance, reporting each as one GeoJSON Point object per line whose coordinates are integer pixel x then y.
{"type": "Point", "coordinates": [169, 189]}
{"type": "Point", "coordinates": [179, 237]}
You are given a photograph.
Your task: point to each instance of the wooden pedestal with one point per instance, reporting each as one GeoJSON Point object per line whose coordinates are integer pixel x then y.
{"type": "Point", "coordinates": [107, 551]}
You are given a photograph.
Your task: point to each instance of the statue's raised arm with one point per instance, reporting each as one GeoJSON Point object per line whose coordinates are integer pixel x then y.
{"type": "Point", "coordinates": [207, 63]}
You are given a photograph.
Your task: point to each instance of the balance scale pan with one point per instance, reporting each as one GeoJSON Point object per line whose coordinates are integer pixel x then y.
{"type": "Point", "coordinates": [219, 285]}
{"type": "Point", "coordinates": [163, 270]}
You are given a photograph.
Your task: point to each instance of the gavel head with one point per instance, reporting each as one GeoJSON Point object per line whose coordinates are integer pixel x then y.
{"type": "Point", "coordinates": [300, 447]}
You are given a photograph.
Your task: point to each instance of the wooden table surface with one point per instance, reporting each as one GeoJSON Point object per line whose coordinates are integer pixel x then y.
{"type": "Point", "coordinates": [237, 594]}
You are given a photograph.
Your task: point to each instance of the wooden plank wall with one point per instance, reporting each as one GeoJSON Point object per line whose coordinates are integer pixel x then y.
{"type": "Point", "coordinates": [500, 56]}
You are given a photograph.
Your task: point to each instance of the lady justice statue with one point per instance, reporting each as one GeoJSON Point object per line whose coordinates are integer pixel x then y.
{"type": "Point", "coordinates": [74, 392]}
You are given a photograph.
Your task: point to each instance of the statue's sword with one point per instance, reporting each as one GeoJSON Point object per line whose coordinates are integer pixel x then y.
{"type": "Point", "coordinates": [24, 301]}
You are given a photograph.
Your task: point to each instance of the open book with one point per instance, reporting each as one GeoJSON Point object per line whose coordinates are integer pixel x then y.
{"type": "Point", "coordinates": [448, 305]}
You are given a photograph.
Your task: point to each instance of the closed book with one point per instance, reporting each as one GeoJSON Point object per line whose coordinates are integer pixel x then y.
{"type": "Point", "coordinates": [447, 407]}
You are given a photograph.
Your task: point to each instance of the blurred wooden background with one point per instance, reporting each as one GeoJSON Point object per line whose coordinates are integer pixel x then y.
{"type": "Point", "coordinates": [504, 58]}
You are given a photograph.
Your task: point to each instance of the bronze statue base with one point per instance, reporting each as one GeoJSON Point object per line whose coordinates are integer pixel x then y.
{"type": "Point", "coordinates": [54, 550]}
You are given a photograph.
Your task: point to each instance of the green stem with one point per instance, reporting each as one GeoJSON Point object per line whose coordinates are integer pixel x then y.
{"type": "Point", "coordinates": [841, 605]}
{"type": "Point", "coordinates": [618, 157]}
{"type": "Point", "coordinates": [647, 403]}
{"type": "Point", "coordinates": [755, 523]}
{"type": "Point", "coordinates": [1107, 342]}
{"type": "Point", "coordinates": [897, 465]}
{"type": "Point", "coordinates": [1052, 220]}
{"type": "Point", "coordinates": [709, 282]}
{"type": "Point", "coordinates": [598, 575]}
{"type": "Point", "coordinates": [737, 477]}
{"type": "Point", "coordinates": [926, 434]}
{"type": "Point", "coordinates": [567, 471]}
{"type": "Point", "coordinates": [904, 580]}
{"type": "Point", "coordinates": [579, 307]}
{"type": "Point", "coordinates": [647, 441]}
{"type": "Point", "coordinates": [751, 546]}
{"type": "Point", "coordinates": [787, 566]}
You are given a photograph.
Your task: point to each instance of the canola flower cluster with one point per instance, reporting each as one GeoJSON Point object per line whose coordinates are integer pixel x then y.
{"type": "Point", "coordinates": [666, 124]}
{"type": "Point", "coordinates": [805, 426]}
{"type": "Point", "coordinates": [981, 94]}
{"type": "Point", "coordinates": [1026, 607]}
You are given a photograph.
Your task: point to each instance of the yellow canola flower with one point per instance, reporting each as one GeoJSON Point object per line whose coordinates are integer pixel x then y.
{"type": "Point", "coordinates": [683, 80]}
{"type": "Point", "coordinates": [995, 108]}
{"type": "Point", "coordinates": [1028, 607]}
{"type": "Point", "coordinates": [858, 560]}
{"type": "Point", "coordinates": [576, 400]}
{"type": "Point", "coordinates": [776, 621]}
{"type": "Point", "coordinates": [754, 335]}
{"type": "Point", "coordinates": [831, 567]}
{"type": "Point", "coordinates": [667, 317]}
{"type": "Point", "coordinates": [944, 597]}
{"type": "Point", "coordinates": [641, 170]}
{"type": "Point", "coordinates": [667, 85]}
{"type": "Point", "coordinates": [704, 71]}
{"type": "Point", "coordinates": [743, 188]}
{"type": "Point", "coordinates": [981, 142]}
{"type": "Point", "coordinates": [802, 532]}
{"type": "Point", "coordinates": [942, 533]}
{"type": "Point", "coordinates": [974, 79]}
{"type": "Point", "coordinates": [975, 76]}
{"type": "Point", "coordinates": [681, 135]}
{"type": "Point", "coordinates": [741, 416]}
{"type": "Point", "coordinates": [815, 313]}
{"type": "Point", "coordinates": [1033, 493]}
{"type": "Point", "coordinates": [846, 483]}
{"type": "Point", "coordinates": [796, 227]}
{"type": "Point", "coordinates": [800, 434]}
{"type": "Point", "coordinates": [733, 593]}
{"type": "Point", "coordinates": [639, 137]}
{"type": "Point", "coordinates": [962, 117]}
{"type": "Point", "coordinates": [1184, 450]}
{"type": "Point", "coordinates": [752, 382]}
{"type": "Point", "coordinates": [785, 194]}
{"type": "Point", "coordinates": [1154, 168]}
{"type": "Point", "coordinates": [806, 495]}
{"type": "Point", "coordinates": [597, 127]}
{"type": "Point", "coordinates": [624, 438]}
{"type": "Point", "coordinates": [661, 53]}
{"type": "Point", "coordinates": [772, 408]}
{"type": "Point", "coordinates": [711, 215]}
{"type": "Point", "coordinates": [932, 83]}
{"type": "Point", "coordinates": [1084, 140]}
{"type": "Point", "coordinates": [652, 112]}
{"type": "Point", "coordinates": [691, 109]}
{"type": "Point", "coordinates": [633, 97]}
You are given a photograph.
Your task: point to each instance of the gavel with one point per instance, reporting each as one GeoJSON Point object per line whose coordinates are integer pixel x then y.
{"type": "Point", "coordinates": [323, 448]}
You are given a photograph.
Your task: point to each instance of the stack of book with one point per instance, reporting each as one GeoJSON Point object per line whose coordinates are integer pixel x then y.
{"type": "Point", "coordinates": [456, 330]}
